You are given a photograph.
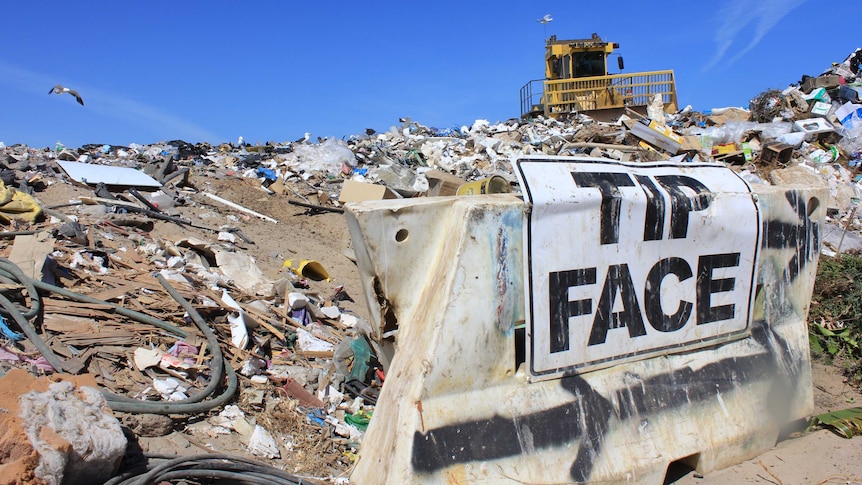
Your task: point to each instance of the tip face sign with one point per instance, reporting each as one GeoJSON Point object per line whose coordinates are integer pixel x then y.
{"type": "Point", "coordinates": [632, 260]}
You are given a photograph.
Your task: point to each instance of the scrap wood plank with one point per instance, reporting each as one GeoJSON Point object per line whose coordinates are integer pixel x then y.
{"type": "Point", "coordinates": [316, 354]}
{"type": "Point", "coordinates": [103, 351]}
{"type": "Point", "coordinates": [112, 293]}
{"type": "Point", "coordinates": [272, 329]}
{"type": "Point", "coordinates": [83, 340]}
{"type": "Point", "coordinates": [111, 351]}
{"type": "Point", "coordinates": [108, 352]}
{"type": "Point", "coordinates": [200, 358]}
{"type": "Point", "coordinates": [113, 258]}
{"type": "Point", "coordinates": [56, 323]}
{"type": "Point", "coordinates": [140, 329]}
{"type": "Point", "coordinates": [101, 370]}
{"type": "Point", "coordinates": [285, 317]}
{"type": "Point", "coordinates": [74, 304]}
{"type": "Point", "coordinates": [128, 383]}
{"type": "Point", "coordinates": [125, 279]}
{"type": "Point", "coordinates": [262, 320]}
{"type": "Point", "coordinates": [81, 312]}
{"type": "Point", "coordinates": [185, 289]}
{"type": "Point", "coordinates": [136, 373]}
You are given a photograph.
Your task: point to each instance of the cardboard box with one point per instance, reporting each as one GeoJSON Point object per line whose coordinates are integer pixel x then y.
{"type": "Point", "coordinates": [827, 82]}
{"type": "Point", "coordinates": [442, 183]}
{"type": "Point", "coordinates": [657, 134]}
{"type": "Point", "coordinates": [729, 114]}
{"type": "Point", "coordinates": [353, 191]}
{"type": "Point", "coordinates": [724, 149]}
{"type": "Point", "coordinates": [746, 151]}
{"type": "Point", "coordinates": [820, 108]}
{"type": "Point", "coordinates": [776, 152]}
{"type": "Point", "coordinates": [691, 143]}
{"type": "Point", "coordinates": [818, 94]}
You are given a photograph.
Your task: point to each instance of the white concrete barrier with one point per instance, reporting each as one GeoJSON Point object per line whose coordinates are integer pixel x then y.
{"type": "Point", "coordinates": [612, 319]}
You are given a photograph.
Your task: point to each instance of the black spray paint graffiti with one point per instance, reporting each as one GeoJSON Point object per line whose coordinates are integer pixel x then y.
{"type": "Point", "coordinates": [803, 235]}
{"type": "Point", "coordinates": [588, 416]}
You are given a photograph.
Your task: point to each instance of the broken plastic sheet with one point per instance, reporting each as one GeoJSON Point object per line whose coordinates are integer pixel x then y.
{"type": "Point", "coordinates": [239, 322]}
{"type": "Point", "coordinates": [262, 443]}
{"type": "Point", "coordinates": [92, 174]}
{"type": "Point", "coordinates": [241, 268]}
{"type": "Point", "coordinates": [847, 112]}
{"type": "Point", "coordinates": [309, 343]}
{"type": "Point", "coordinates": [329, 156]}
{"type": "Point", "coordinates": [238, 328]}
{"type": "Point", "coordinates": [732, 131]}
{"type": "Point", "coordinates": [170, 389]}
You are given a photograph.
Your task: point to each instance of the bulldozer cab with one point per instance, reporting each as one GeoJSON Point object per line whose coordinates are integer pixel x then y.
{"type": "Point", "coordinates": [568, 59]}
{"type": "Point", "coordinates": [577, 81]}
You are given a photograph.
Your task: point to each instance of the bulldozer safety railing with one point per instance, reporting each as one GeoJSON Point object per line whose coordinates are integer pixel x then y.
{"type": "Point", "coordinates": [597, 93]}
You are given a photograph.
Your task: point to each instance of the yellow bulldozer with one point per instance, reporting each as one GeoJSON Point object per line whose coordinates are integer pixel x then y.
{"type": "Point", "coordinates": [577, 81]}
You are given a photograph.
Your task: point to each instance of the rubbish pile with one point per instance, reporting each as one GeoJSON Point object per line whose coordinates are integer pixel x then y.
{"type": "Point", "coordinates": [205, 289]}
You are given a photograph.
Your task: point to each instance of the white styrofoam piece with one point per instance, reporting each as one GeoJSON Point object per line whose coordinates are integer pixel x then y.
{"type": "Point", "coordinates": [92, 174]}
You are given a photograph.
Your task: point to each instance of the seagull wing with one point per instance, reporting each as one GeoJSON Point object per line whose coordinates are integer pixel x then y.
{"type": "Point", "coordinates": [75, 94]}
{"type": "Point", "coordinates": [56, 89]}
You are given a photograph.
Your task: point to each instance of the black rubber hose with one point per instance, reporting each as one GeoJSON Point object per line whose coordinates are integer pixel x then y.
{"type": "Point", "coordinates": [193, 405]}
{"type": "Point", "coordinates": [31, 334]}
{"type": "Point", "coordinates": [212, 342]}
{"type": "Point", "coordinates": [205, 465]}
{"type": "Point", "coordinates": [128, 474]}
{"type": "Point", "coordinates": [242, 476]}
{"type": "Point", "coordinates": [10, 234]}
{"type": "Point", "coordinates": [137, 316]}
{"type": "Point", "coordinates": [128, 405]}
{"type": "Point", "coordinates": [14, 273]}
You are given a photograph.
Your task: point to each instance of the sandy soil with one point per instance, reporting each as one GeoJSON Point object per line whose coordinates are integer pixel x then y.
{"type": "Point", "coordinates": [815, 458]}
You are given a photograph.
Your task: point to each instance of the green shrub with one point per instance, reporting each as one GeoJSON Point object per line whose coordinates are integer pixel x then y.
{"type": "Point", "coordinates": [835, 318]}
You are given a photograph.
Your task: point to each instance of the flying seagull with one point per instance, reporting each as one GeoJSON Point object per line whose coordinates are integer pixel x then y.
{"type": "Point", "coordinates": [547, 18]}
{"type": "Point", "coordinates": [58, 89]}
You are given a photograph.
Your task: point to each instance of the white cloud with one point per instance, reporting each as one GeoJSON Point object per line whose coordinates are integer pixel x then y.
{"type": "Point", "coordinates": [734, 20]}
{"type": "Point", "coordinates": [109, 105]}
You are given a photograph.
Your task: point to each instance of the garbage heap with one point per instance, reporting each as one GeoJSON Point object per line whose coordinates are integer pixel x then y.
{"type": "Point", "coordinates": [137, 270]}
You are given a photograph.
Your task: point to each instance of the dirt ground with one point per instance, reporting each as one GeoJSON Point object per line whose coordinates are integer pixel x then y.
{"type": "Point", "coordinates": [816, 458]}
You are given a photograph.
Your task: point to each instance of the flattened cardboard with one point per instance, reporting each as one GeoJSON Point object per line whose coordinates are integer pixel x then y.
{"type": "Point", "coordinates": [354, 191]}
{"type": "Point", "coordinates": [442, 183]}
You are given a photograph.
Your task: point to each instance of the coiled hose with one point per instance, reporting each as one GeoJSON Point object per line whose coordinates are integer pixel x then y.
{"type": "Point", "coordinates": [234, 469]}
{"type": "Point", "coordinates": [11, 273]}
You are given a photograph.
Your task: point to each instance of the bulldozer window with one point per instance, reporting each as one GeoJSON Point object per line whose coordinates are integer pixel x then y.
{"type": "Point", "coordinates": [554, 64]}
{"type": "Point", "coordinates": [565, 69]}
{"type": "Point", "coordinates": [588, 64]}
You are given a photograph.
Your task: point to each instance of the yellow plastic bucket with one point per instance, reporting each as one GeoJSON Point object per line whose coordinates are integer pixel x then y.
{"type": "Point", "coordinates": [308, 268]}
{"type": "Point", "coordinates": [494, 184]}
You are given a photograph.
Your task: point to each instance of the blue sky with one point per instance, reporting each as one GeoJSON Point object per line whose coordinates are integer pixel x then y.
{"type": "Point", "coordinates": [270, 71]}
